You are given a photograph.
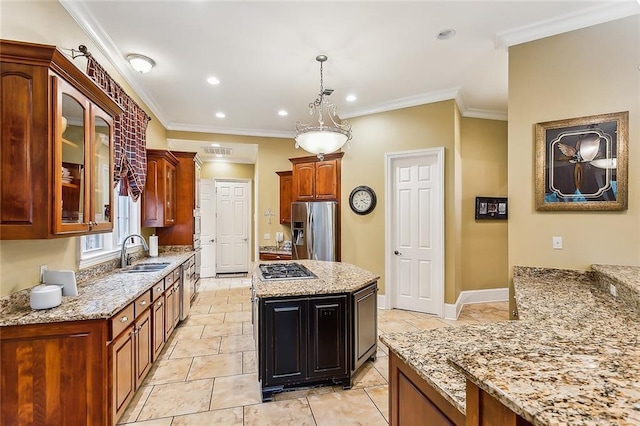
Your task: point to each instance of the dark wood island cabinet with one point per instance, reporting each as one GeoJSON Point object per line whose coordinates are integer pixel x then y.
{"type": "Point", "coordinates": [321, 335]}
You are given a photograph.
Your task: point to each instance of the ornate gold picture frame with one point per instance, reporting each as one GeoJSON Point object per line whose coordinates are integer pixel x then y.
{"type": "Point", "coordinates": [582, 163]}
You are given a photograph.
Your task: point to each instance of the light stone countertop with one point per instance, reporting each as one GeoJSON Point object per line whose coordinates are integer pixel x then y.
{"type": "Point", "coordinates": [573, 358]}
{"type": "Point", "coordinates": [274, 250]}
{"type": "Point", "coordinates": [98, 298]}
{"type": "Point", "coordinates": [333, 278]}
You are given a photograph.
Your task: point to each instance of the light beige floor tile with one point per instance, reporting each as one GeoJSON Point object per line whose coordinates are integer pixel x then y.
{"type": "Point", "coordinates": [277, 413]}
{"type": "Point", "coordinates": [246, 306]}
{"type": "Point", "coordinates": [135, 406]}
{"type": "Point", "coordinates": [395, 327]}
{"type": "Point", "coordinates": [175, 399]}
{"type": "Point", "coordinates": [242, 343]}
{"type": "Point", "coordinates": [382, 365]}
{"type": "Point", "coordinates": [241, 316]}
{"type": "Point", "coordinates": [205, 319]}
{"type": "Point", "coordinates": [380, 396]}
{"type": "Point", "coordinates": [227, 417]}
{"type": "Point", "coordinates": [155, 422]}
{"type": "Point", "coordinates": [249, 364]}
{"type": "Point", "coordinates": [367, 376]}
{"type": "Point", "coordinates": [209, 300]}
{"type": "Point", "coordinates": [231, 291]}
{"type": "Point", "coordinates": [395, 314]}
{"type": "Point", "coordinates": [188, 332]}
{"type": "Point", "coordinates": [294, 394]}
{"type": "Point", "coordinates": [247, 328]}
{"type": "Point", "coordinates": [196, 347]}
{"type": "Point", "coordinates": [461, 321]}
{"type": "Point", "coordinates": [427, 323]}
{"type": "Point", "coordinates": [169, 371]}
{"type": "Point", "coordinates": [235, 307]}
{"type": "Point", "coordinates": [200, 309]}
{"type": "Point", "coordinates": [239, 299]}
{"type": "Point", "coordinates": [351, 407]}
{"type": "Point", "coordinates": [236, 391]}
{"type": "Point", "coordinates": [210, 366]}
{"type": "Point", "coordinates": [224, 329]}
{"type": "Point", "coordinates": [382, 347]}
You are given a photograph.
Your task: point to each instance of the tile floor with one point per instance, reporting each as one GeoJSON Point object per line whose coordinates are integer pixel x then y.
{"type": "Point", "coordinates": [206, 374]}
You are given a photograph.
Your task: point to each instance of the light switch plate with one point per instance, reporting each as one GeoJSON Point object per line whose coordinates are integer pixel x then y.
{"type": "Point", "coordinates": [557, 243]}
{"type": "Point", "coordinates": [266, 236]}
{"type": "Point", "coordinates": [42, 269]}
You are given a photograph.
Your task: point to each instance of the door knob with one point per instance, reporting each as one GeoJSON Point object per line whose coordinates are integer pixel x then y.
{"type": "Point", "coordinates": [244, 239]}
{"type": "Point", "coordinates": [397, 253]}
{"type": "Point", "coordinates": [213, 240]}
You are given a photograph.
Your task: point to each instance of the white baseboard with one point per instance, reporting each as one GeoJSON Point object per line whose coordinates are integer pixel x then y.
{"type": "Point", "coordinates": [382, 301]}
{"type": "Point", "coordinates": [452, 311]}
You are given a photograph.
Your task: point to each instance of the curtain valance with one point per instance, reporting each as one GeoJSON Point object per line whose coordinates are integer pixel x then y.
{"type": "Point", "coordinates": [130, 128]}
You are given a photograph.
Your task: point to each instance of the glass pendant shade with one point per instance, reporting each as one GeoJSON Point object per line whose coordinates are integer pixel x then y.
{"type": "Point", "coordinates": [321, 141]}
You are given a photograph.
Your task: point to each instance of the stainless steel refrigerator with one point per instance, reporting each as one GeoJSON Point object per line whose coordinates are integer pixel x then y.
{"type": "Point", "coordinates": [314, 228]}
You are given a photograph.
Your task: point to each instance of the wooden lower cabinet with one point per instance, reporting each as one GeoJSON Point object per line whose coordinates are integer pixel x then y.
{"type": "Point", "coordinates": [484, 410]}
{"type": "Point", "coordinates": [54, 375]}
{"type": "Point", "coordinates": [172, 310]}
{"type": "Point", "coordinates": [158, 326]}
{"type": "Point", "coordinates": [143, 346]}
{"type": "Point", "coordinates": [412, 401]}
{"type": "Point", "coordinates": [274, 256]}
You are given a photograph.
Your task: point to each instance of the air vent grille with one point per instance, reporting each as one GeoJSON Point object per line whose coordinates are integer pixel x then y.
{"type": "Point", "coordinates": [217, 150]}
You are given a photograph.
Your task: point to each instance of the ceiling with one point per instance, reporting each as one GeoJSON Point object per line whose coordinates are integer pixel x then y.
{"type": "Point", "coordinates": [263, 53]}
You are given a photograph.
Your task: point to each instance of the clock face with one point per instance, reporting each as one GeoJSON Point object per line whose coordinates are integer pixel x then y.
{"type": "Point", "coordinates": [362, 200]}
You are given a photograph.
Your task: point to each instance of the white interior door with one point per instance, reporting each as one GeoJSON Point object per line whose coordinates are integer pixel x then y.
{"type": "Point", "coordinates": [233, 225]}
{"type": "Point", "coordinates": [207, 228]}
{"type": "Point", "coordinates": [417, 230]}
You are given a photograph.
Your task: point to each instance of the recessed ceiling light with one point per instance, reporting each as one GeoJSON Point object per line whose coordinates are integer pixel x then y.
{"type": "Point", "coordinates": [213, 80]}
{"type": "Point", "coordinates": [215, 145]}
{"type": "Point", "coordinates": [351, 98]}
{"type": "Point", "coordinates": [446, 34]}
{"type": "Point", "coordinates": [220, 114]}
{"type": "Point", "coordinates": [282, 113]}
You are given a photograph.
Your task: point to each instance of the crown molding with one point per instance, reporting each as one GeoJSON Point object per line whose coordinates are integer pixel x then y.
{"type": "Point", "coordinates": [231, 131]}
{"type": "Point", "coordinates": [105, 44]}
{"type": "Point", "coordinates": [569, 22]}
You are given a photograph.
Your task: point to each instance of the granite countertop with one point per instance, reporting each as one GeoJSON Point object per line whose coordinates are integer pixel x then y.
{"type": "Point", "coordinates": [333, 278]}
{"type": "Point", "coordinates": [98, 298]}
{"type": "Point", "coordinates": [572, 358]}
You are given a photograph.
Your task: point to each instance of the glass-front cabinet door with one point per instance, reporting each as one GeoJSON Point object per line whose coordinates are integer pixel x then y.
{"type": "Point", "coordinates": [83, 165]}
{"type": "Point", "coordinates": [102, 171]}
{"type": "Point", "coordinates": [71, 159]}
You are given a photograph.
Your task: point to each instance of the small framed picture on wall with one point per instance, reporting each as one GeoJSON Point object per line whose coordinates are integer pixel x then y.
{"type": "Point", "coordinates": [491, 208]}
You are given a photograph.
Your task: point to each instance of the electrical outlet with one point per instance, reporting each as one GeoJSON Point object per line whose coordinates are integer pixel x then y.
{"type": "Point", "coordinates": [266, 236]}
{"type": "Point", "coordinates": [557, 243]}
{"type": "Point", "coordinates": [613, 290]}
{"type": "Point", "coordinates": [42, 269]}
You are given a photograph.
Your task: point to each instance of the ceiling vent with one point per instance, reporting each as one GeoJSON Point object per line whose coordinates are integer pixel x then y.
{"type": "Point", "coordinates": [217, 150]}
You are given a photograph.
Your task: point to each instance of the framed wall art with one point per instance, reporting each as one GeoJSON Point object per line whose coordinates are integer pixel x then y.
{"type": "Point", "coordinates": [582, 164]}
{"type": "Point", "coordinates": [491, 208]}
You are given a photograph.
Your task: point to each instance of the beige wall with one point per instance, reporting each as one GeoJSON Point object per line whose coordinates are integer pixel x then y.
{"type": "Point", "coordinates": [48, 22]}
{"type": "Point", "coordinates": [585, 72]}
{"type": "Point", "coordinates": [211, 170]}
{"type": "Point", "coordinates": [484, 173]}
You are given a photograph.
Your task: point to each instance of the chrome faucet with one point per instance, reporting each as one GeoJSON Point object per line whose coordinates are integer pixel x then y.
{"type": "Point", "coordinates": [124, 259]}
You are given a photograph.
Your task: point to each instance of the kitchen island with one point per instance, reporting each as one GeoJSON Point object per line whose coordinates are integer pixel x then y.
{"type": "Point", "coordinates": [572, 358]}
{"type": "Point", "coordinates": [313, 331]}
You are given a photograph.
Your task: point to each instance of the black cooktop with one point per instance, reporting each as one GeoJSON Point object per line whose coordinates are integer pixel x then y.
{"type": "Point", "coordinates": [284, 271]}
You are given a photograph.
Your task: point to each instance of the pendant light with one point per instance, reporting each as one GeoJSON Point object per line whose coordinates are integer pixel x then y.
{"type": "Point", "coordinates": [326, 132]}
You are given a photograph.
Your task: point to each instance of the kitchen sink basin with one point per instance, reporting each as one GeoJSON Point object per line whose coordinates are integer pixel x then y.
{"type": "Point", "coordinates": [145, 267]}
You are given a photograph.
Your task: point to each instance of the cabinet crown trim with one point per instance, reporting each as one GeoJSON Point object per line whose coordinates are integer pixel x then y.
{"type": "Point", "coordinates": [315, 159]}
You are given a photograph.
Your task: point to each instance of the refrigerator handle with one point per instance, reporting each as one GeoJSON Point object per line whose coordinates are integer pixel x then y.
{"type": "Point", "coordinates": [310, 250]}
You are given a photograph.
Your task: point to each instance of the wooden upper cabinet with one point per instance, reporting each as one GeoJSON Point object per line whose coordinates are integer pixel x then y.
{"type": "Point", "coordinates": [56, 141]}
{"type": "Point", "coordinates": [187, 177]}
{"type": "Point", "coordinates": [159, 196]}
{"type": "Point", "coordinates": [286, 195]}
{"type": "Point", "coordinates": [315, 180]}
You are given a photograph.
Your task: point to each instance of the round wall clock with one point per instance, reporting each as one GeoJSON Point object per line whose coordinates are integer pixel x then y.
{"type": "Point", "coordinates": [362, 200]}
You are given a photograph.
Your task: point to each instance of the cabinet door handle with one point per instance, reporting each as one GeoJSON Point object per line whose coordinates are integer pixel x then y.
{"type": "Point", "coordinates": [159, 289]}
{"type": "Point", "coordinates": [143, 303]}
{"type": "Point", "coordinates": [160, 304]}
{"type": "Point", "coordinates": [124, 319]}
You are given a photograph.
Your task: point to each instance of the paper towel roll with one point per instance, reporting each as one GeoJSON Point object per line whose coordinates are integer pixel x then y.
{"type": "Point", "coordinates": [153, 246]}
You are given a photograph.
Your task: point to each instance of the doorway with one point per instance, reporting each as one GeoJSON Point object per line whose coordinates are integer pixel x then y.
{"type": "Point", "coordinates": [414, 237]}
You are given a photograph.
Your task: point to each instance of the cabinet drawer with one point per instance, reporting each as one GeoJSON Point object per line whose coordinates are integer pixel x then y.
{"type": "Point", "coordinates": [142, 303]}
{"type": "Point", "coordinates": [121, 321]}
{"type": "Point", "coordinates": [274, 256]}
{"type": "Point", "coordinates": [176, 274]}
{"type": "Point", "coordinates": [168, 281]}
{"type": "Point", "coordinates": [157, 290]}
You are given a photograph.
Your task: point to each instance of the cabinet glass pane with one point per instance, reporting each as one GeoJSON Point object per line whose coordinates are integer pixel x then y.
{"type": "Point", "coordinates": [73, 160]}
{"type": "Point", "coordinates": [101, 175]}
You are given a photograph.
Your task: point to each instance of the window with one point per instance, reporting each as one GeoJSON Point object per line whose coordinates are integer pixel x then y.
{"type": "Point", "coordinates": [95, 249]}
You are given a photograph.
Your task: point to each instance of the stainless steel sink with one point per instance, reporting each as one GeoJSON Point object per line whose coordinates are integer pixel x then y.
{"type": "Point", "coordinates": [146, 267]}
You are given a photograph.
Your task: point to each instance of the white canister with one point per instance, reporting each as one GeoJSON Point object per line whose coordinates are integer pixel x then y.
{"type": "Point", "coordinates": [153, 246]}
{"type": "Point", "coordinates": [45, 296]}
